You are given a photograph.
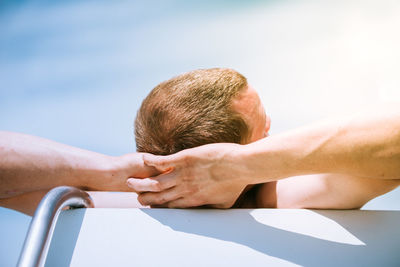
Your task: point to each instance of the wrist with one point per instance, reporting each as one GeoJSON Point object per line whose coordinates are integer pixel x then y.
{"type": "Point", "coordinates": [114, 171]}
{"type": "Point", "coordinates": [244, 166]}
{"type": "Point", "coordinates": [100, 174]}
{"type": "Point", "coordinates": [272, 158]}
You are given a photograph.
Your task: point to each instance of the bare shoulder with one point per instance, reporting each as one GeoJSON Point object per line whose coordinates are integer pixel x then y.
{"type": "Point", "coordinates": [330, 191]}
{"type": "Point", "coordinates": [368, 186]}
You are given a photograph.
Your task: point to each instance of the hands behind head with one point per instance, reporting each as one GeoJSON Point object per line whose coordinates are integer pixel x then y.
{"type": "Point", "coordinates": [205, 175]}
{"type": "Point", "coordinates": [116, 170]}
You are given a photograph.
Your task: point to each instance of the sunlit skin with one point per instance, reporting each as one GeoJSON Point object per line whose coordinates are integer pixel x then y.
{"type": "Point", "coordinates": [316, 190]}
{"type": "Point", "coordinates": [365, 145]}
{"type": "Point", "coordinates": [248, 103]}
{"type": "Point", "coordinates": [307, 191]}
{"type": "Point", "coordinates": [30, 166]}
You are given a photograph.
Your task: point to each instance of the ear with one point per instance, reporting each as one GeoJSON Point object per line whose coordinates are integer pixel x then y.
{"type": "Point", "coordinates": [267, 124]}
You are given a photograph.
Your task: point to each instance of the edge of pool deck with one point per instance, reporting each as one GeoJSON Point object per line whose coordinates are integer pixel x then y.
{"type": "Point", "coordinates": [235, 237]}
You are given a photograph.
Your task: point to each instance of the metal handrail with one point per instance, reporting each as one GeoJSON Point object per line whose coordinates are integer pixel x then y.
{"type": "Point", "coordinates": [37, 241]}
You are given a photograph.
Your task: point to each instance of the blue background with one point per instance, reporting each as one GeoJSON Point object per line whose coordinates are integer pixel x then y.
{"type": "Point", "coordinates": [76, 71]}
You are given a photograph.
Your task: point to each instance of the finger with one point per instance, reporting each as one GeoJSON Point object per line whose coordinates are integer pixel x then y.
{"type": "Point", "coordinates": [153, 184]}
{"type": "Point", "coordinates": [161, 163]}
{"type": "Point", "coordinates": [158, 198]}
{"type": "Point", "coordinates": [143, 185]}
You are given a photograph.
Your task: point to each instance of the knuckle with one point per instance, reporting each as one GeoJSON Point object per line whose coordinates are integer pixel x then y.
{"type": "Point", "coordinates": [151, 185]}
{"type": "Point", "coordinates": [189, 190]}
{"type": "Point", "coordinates": [161, 162]}
{"type": "Point", "coordinates": [194, 189]}
{"type": "Point", "coordinates": [142, 199]}
{"type": "Point", "coordinates": [133, 187]}
{"type": "Point", "coordinates": [131, 184]}
{"type": "Point", "coordinates": [161, 200]}
{"type": "Point", "coordinates": [157, 186]}
{"type": "Point", "coordinates": [188, 176]}
{"type": "Point", "coordinates": [187, 160]}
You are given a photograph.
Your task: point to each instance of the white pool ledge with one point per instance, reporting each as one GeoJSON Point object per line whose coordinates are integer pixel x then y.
{"type": "Point", "coordinates": [237, 237]}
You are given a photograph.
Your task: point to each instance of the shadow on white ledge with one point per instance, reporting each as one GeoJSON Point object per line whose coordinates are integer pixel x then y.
{"type": "Point", "coordinates": [236, 237]}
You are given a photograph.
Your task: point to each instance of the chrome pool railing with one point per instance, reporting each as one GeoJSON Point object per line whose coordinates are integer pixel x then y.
{"type": "Point", "coordinates": [35, 248]}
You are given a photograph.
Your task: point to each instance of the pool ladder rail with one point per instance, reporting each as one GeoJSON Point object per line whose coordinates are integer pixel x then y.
{"type": "Point", "coordinates": [36, 245]}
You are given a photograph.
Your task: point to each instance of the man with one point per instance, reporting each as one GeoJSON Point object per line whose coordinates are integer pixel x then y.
{"type": "Point", "coordinates": [198, 108]}
{"type": "Point", "coordinates": [218, 106]}
{"type": "Point", "coordinates": [366, 145]}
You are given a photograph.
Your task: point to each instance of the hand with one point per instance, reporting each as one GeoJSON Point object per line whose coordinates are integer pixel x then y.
{"type": "Point", "coordinates": [132, 165]}
{"type": "Point", "coordinates": [206, 175]}
{"type": "Point", "coordinates": [117, 170]}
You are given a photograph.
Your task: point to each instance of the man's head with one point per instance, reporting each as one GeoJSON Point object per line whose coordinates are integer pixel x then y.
{"type": "Point", "coordinates": [198, 108]}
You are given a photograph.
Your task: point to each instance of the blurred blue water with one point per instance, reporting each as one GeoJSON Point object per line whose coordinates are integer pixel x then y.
{"type": "Point", "coordinates": [76, 71]}
{"type": "Point", "coordinates": [90, 64]}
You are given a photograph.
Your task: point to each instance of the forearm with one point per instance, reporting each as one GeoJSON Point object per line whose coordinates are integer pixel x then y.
{"type": "Point", "coordinates": [364, 145]}
{"type": "Point", "coordinates": [29, 163]}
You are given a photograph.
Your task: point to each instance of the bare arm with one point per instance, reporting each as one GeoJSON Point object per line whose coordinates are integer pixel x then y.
{"type": "Point", "coordinates": [363, 145]}
{"type": "Point", "coordinates": [29, 164]}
